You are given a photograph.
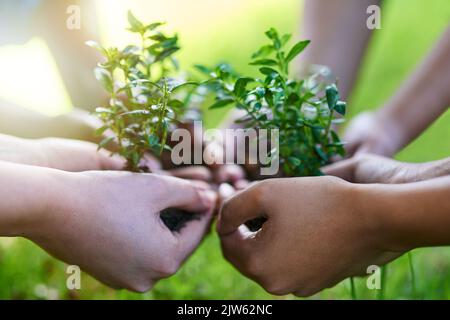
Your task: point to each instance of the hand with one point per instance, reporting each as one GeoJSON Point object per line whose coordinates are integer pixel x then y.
{"type": "Point", "coordinates": [318, 232]}
{"type": "Point", "coordinates": [369, 132]}
{"type": "Point", "coordinates": [368, 168]}
{"type": "Point", "coordinates": [63, 154]}
{"type": "Point", "coordinates": [108, 224]}
{"type": "Point", "coordinates": [213, 159]}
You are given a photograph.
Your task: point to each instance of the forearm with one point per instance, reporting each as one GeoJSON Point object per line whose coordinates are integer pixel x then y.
{"type": "Point", "coordinates": [26, 194]}
{"type": "Point", "coordinates": [20, 122]}
{"type": "Point", "coordinates": [339, 36]}
{"type": "Point", "coordinates": [75, 60]}
{"type": "Point", "coordinates": [423, 97]}
{"type": "Point", "coordinates": [21, 151]}
{"type": "Point", "coordinates": [409, 216]}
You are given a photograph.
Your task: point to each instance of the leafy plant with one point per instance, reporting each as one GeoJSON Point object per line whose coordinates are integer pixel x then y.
{"type": "Point", "coordinates": [149, 98]}
{"type": "Point", "coordinates": [303, 110]}
{"type": "Point", "coordinates": [148, 95]}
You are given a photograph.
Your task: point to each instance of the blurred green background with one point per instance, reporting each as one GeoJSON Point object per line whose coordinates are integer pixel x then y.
{"type": "Point", "coordinates": [211, 32]}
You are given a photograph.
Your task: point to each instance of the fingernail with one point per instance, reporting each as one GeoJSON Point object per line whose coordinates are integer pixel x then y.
{"type": "Point", "coordinates": [226, 190]}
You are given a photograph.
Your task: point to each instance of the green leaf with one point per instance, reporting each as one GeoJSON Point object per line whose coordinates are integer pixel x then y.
{"type": "Point", "coordinates": [96, 46]}
{"type": "Point", "coordinates": [285, 39]}
{"type": "Point", "coordinates": [135, 112]}
{"type": "Point", "coordinates": [105, 142]}
{"type": "Point", "coordinates": [177, 104]}
{"type": "Point", "coordinates": [135, 24]}
{"type": "Point", "coordinates": [297, 49]}
{"type": "Point", "coordinates": [203, 69]}
{"type": "Point", "coordinates": [272, 34]}
{"type": "Point", "coordinates": [103, 110]}
{"type": "Point", "coordinates": [340, 107]}
{"type": "Point", "coordinates": [335, 137]}
{"type": "Point", "coordinates": [221, 103]}
{"type": "Point", "coordinates": [332, 95]}
{"type": "Point", "coordinates": [153, 140]}
{"type": "Point", "coordinates": [264, 62]}
{"type": "Point", "coordinates": [268, 71]}
{"type": "Point", "coordinates": [264, 51]}
{"type": "Point", "coordinates": [320, 153]}
{"type": "Point", "coordinates": [143, 81]}
{"type": "Point", "coordinates": [100, 131]}
{"type": "Point", "coordinates": [166, 53]}
{"type": "Point", "coordinates": [104, 77]}
{"type": "Point", "coordinates": [294, 161]}
{"type": "Point", "coordinates": [189, 83]}
{"type": "Point", "coordinates": [153, 26]}
{"type": "Point", "coordinates": [240, 86]}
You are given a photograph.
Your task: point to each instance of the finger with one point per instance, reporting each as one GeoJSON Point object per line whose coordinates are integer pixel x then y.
{"type": "Point", "coordinates": [110, 162]}
{"type": "Point", "coordinates": [237, 248]}
{"type": "Point", "coordinates": [226, 191]}
{"type": "Point", "coordinates": [192, 172]}
{"type": "Point", "coordinates": [151, 162]}
{"type": "Point", "coordinates": [351, 148]}
{"type": "Point", "coordinates": [244, 206]}
{"type": "Point", "coordinates": [183, 194]}
{"type": "Point", "coordinates": [229, 173]}
{"type": "Point", "coordinates": [344, 169]}
{"type": "Point", "coordinates": [193, 233]}
{"type": "Point", "coordinates": [201, 184]}
{"type": "Point", "coordinates": [242, 184]}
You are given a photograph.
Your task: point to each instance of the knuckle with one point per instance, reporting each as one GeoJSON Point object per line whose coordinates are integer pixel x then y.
{"type": "Point", "coordinates": [139, 286]}
{"type": "Point", "coordinates": [305, 292]}
{"type": "Point", "coordinates": [276, 288]}
{"type": "Point", "coordinates": [262, 192]}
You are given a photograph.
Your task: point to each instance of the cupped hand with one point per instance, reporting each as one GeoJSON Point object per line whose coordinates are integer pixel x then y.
{"type": "Point", "coordinates": [368, 132]}
{"type": "Point", "coordinates": [108, 224]}
{"type": "Point", "coordinates": [369, 168]}
{"type": "Point", "coordinates": [317, 233]}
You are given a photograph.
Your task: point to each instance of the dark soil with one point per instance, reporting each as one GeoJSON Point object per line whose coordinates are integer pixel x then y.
{"type": "Point", "coordinates": [256, 224]}
{"type": "Point", "coordinates": [176, 219]}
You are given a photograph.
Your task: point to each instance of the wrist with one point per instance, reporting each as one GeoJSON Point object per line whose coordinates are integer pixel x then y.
{"type": "Point", "coordinates": [380, 208]}
{"type": "Point", "coordinates": [30, 192]}
{"type": "Point", "coordinates": [407, 216]}
{"type": "Point", "coordinates": [21, 151]}
{"type": "Point", "coordinates": [393, 127]}
{"type": "Point", "coordinates": [56, 203]}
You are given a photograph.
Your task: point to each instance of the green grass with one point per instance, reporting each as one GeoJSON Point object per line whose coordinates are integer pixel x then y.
{"type": "Point", "coordinates": [410, 27]}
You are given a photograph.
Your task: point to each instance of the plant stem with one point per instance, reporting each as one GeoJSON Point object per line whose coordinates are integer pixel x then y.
{"type": "Point", "coordinates": [353, 289]}
{"type": "Point", "coordinates": [413, 275]}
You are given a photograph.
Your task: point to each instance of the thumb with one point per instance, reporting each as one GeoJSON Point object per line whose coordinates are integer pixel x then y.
{"type": "Point", "coordinates": [193, 233]}
{"type": "Point", "coordinates": [237, 210]}
{"type": "Point", "coordinates": [344, 169]}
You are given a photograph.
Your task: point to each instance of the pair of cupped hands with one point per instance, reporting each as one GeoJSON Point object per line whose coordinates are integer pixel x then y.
{"type": "Point", "coordinates": [107, 221]}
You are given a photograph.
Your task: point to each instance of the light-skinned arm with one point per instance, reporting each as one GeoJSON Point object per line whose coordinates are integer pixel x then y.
{"type": "Point", "coordinates": [105, 222]}
{"type": "Point", "coordinates": [369, 168]}
{"type": "Point", "coordinates": [421, 100]}
{"type": "Point", "coordinates": [339, 37]}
